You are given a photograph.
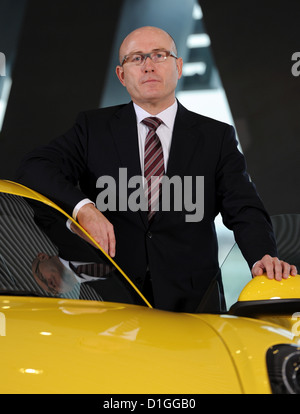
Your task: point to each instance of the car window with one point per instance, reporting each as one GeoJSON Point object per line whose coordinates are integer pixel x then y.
{"type": "Point", "coordinates": [235, 275]}
{"type": "Point", "coordinates": [44, 254]}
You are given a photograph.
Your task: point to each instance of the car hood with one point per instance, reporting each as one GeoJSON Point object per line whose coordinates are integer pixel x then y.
{"type": "Point", "coordinates": [73, 346]}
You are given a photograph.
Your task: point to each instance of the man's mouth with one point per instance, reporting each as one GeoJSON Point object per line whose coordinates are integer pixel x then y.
{"type": "Point", "coordinates": [150, 80]}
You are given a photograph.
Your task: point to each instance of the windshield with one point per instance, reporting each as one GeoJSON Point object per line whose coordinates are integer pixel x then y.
{"type": "Point", "coordinates": [44, 254]}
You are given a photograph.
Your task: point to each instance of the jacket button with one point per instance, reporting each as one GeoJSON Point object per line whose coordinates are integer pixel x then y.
{"type": "Point", "coordinates": [149, 234]}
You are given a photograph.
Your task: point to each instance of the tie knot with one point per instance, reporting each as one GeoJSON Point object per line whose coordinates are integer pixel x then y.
{"type": "Point", "coordinates": [152, 122]}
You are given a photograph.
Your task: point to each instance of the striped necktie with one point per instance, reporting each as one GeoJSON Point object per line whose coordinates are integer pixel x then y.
{"type": "Point", "coordinates": [98, 270]}
{"type": "Point", "coordinates": [153, 165]}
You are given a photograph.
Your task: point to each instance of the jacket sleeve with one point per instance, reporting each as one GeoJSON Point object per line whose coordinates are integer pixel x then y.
{"type": "Point", "coordinates": [55, 169]}
{"type": "Point", "coordinates": [240, 205]}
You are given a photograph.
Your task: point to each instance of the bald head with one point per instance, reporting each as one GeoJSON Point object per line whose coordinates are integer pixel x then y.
{"type": "Point", "coordinates": [151, 84]}
{"type": "Point", "coordinates": [145, 33]}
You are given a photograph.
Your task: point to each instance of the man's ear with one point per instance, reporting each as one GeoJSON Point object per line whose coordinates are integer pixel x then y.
{"type": "Point", "coordinates": [179, 63]}
{"type": "Point", "coordinates": [120, 74]}
{"type": "Point", "coordinates": [43, 256]}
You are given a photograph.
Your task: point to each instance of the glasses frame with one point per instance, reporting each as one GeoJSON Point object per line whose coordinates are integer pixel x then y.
{"type": "Point", "coordinates": [148, 55]}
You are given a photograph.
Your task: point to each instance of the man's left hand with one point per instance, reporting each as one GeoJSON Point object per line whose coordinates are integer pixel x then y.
{"type": "Point", "coordinates": [274, 268]}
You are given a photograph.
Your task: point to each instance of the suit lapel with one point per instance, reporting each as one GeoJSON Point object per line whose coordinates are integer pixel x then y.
{"type": "Point", "coordinates": [184, 142]}
{"type": "Point", "coordinates": [124, 131]}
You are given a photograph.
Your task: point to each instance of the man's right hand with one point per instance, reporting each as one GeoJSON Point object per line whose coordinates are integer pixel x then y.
{"type": "Point", "coordinates": [97, 225]}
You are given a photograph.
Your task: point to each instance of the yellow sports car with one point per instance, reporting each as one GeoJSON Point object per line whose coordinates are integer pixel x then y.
{"type": "Point", "coordinates": [72, 322]}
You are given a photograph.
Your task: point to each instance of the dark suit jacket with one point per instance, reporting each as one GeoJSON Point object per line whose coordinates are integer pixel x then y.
{"type": "Point", "coordinates": [182, 256]}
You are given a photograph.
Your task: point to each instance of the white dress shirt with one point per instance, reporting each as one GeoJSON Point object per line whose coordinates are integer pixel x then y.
{"type": "Point", "coordinates": [164, 131]}
{"type": "Point", "coordinates": [84, 277]}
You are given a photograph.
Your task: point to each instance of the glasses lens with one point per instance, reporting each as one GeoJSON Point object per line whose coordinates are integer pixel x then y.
{"type": "Point", "coordinates": [159, 56]}
{"type": "Point", "coordinates": [135, 58]}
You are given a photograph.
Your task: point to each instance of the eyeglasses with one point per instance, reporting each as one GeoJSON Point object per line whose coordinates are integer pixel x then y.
{"type": "Point", "coordinates": [138, 59]}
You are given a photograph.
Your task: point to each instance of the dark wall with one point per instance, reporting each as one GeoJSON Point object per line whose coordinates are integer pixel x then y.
{"type": "Point", "coordinates": [59, 70]}
{"type": "Point", "coordinates": [253, 42]}
{"type": "Point", "coordinates": [11, 18]}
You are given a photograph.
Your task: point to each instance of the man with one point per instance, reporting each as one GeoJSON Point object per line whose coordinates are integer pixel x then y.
{"type": "Point", "coordinates": [176, 258]}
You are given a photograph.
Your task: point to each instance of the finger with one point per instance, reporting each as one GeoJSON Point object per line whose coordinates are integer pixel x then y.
{"type": "Point", "coordinates": [257, 269]}
{"type": "Point", "coordinates": [106, 239]}
{"type": "Point", "coordinates": [286, 270]}
{"type": "Point", "coordinates": [103, 242]}
{"type": "Point", "coordinates": [278, 267]}
{"type": "Point", "coordinates": [111, 241]}
{"type": "Point", "coordinates": [270, 267]}
{"type": "Point", "coordinates": [294, 270]}
{"type": "Point", "coordinates": [265, 265]}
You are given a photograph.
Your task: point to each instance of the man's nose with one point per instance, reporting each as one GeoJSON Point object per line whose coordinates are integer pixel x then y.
{"type": "Point", "coordinates": [148, 65]}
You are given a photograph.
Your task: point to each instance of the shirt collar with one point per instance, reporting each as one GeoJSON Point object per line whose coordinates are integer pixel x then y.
{"type": "Point", "coordinates": [167, 116]}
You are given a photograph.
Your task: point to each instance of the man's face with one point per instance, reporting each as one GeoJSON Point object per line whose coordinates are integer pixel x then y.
{"type": "Point", "coordinates": [48, 272]}
{"type": "Point", "coordinates": [150, 83]}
